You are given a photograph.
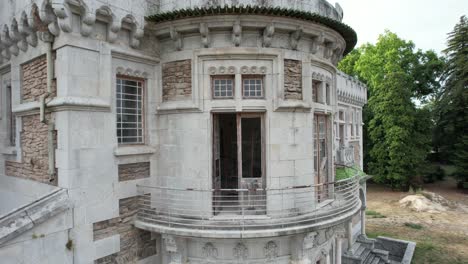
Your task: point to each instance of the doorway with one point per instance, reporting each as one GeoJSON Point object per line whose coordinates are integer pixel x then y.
{"type": "Point", "coordinates": [321, 156]}
{"type": "Point", "coordinates": [238, 163]}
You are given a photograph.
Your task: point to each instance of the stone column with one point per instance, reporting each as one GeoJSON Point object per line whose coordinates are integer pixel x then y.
{"type": "Point", "coordinates": [340, 234]}
{"type": "Point", "coordinates": [349, 234]}
{"type": "Point", "coordinates": [338, 250]}
{"type": "Point", "coordinates": [363, 220]}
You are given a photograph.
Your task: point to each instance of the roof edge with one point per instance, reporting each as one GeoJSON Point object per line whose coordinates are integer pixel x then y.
{"type": "Point", "coordinates": [344, 30]}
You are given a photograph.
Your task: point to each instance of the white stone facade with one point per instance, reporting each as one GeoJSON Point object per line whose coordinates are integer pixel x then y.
{"type": "Point", "coordinates": [95, 42]}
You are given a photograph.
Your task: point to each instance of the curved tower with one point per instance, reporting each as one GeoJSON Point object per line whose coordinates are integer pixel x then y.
{"type": "Point", "coordinates": [247, 138]}
{"type": "Point", "coordinates": [179, 131]}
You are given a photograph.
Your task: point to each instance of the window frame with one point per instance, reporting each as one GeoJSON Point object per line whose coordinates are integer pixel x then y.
{"type": "Point", "coordinates": [253, 77]}
{"type": "Point", "coordinates": [223, 77]}
{"type": "Point", "coordinates": [143, 110]}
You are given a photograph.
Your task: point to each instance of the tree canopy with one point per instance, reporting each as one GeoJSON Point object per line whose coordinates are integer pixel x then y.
{"type": "Point", "coordinates": [451, 111]}
{"type": "Point", "coordinates": [397, 132]}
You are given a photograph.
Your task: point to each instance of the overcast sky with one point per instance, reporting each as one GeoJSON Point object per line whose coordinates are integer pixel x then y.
{"type": "Point", "coordinates": [425, 22]}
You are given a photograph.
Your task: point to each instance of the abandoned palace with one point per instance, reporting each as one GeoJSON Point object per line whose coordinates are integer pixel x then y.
{"type": "Point", "coordinates": [181, 131]}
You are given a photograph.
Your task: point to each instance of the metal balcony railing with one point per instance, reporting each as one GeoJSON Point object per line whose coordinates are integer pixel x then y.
{"type": "Point", "coordinates": [245, 209]}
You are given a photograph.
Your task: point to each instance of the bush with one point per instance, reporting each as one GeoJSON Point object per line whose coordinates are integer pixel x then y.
{"type": "Point", "coordinates": [414, 226]}
{"type": "Point", "coordinates": [432, 173]}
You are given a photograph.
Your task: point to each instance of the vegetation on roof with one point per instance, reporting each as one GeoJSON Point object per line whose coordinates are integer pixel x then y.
{"type": "Point", "coordinates": [345, 31]}
{"type": "Point", "coordinates": [348, 172]}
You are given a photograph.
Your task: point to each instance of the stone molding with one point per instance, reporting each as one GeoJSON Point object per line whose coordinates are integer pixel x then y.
{"type": "Point", "coordinates": [321, 7]}
{"type": "Point", "coordinates": [49, 19]}
{"type": "Point", "coordinates": [322, 42]}
{"type": "Point", "coordinates": [31, 215]}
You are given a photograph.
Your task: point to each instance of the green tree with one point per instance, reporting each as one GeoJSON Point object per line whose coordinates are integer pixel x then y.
{"type": "Point", "coordinates": [397, 133]}
{"type": "Point", "coordinates": [451, 111]}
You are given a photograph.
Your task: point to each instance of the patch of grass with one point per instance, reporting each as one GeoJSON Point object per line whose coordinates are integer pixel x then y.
{"type": "Point", "coordinates": [374, 214]}
{"type": "Point", "coordinates": [376, 234]}
{"type": "Point", "coordinates": [414, 226]}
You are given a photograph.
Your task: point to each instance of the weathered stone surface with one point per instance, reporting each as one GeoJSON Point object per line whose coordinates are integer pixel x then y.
{"type": "Point", "coordinates": [135, 244]}
{"type": "Point", "coordinates": [177, 80]}
{"type": "Point", "coordinates": [34, 80]}
{"type": "Point", "coordinates": [292, 80]}
{"type": "Point", "coordinates": [34, 146]}
{"type": "Point", "coordinates": [134, 171]}
{"type": "Point", "coordinates": [357, 152]}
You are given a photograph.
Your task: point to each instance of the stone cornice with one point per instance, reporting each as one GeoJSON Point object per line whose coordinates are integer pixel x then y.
{"type": "Point", "coordinates": [25, 218]}
{"type": "Point", "coordinates": [344, 30]}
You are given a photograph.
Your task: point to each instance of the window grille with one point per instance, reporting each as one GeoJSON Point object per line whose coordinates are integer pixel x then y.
{"type": "Point", "coordinates": [223, 87]}
{"type": "Point", "coordinates": [252, 87]}
{"type": "Point", "coordinates": [129, 111]}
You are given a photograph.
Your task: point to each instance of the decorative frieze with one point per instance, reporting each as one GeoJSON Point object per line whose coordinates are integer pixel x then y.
{"type": "Point", "coordinates": [292, 79]}
{"type": "Point", "coordinates": [177, 80]}
{"type": "Point", "coordinates": [240, 252]}
{"type": "Point", "coordinates": [271, 250]}
{"type": "Point", "coordinates": [210, 252]}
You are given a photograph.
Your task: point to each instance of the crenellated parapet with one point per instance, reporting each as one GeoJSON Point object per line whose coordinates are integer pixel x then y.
{"type": "Point", "coordinates": [350, 90]}
{"type": "Point", "coordinates": [45, 19]}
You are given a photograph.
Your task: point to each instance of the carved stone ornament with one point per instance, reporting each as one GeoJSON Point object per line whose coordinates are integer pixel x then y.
{"type": "Point", "coordinates": [210, 251]}
{"type": "Point", "coordinates": [170, 243]}
{"type": "Point", "coordinates": [271, 250]}
{"type": "Point", "coordinates": [237, 33]}
{"type": "Point", "coordinates": [309, 240]}
{"type": "Point", "coordinates": [45, 19]}
{"type": "Point", "coordinates": [131, 72]}
{"type": "Point", "coordinates": [240, 251]}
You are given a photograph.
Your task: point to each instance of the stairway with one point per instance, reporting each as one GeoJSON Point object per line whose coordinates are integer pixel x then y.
{"type": "Point", "coordinates": [363, 251]}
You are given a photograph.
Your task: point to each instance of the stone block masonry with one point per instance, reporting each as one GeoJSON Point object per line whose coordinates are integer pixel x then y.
{"type": "Point", "coordinates": [292, 80]}
{"type": "Point", "coordinates": [357, 152]}
{"type": "Point", "coordinates": [177, 80]}
{"type": "Point", "coordinates": [134, 171]}
{"type": "Point", "coordinates": [34, 80]}
{"type": "Point", "coordinates": [135, 244]}
{"type": "Point", "coordinates": [34, 147]}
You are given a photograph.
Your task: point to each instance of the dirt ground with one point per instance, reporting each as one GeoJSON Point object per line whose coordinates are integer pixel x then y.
{"type": "Point", "coordinates": [441, 237]}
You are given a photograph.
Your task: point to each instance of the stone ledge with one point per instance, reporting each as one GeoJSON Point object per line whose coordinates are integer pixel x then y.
{"type": "Point", "coordinates": [25, 218]}
{"type": "Point", "coordinates": [134, 150]}
{"type": "Point", "coordinates": [9, 150]}
{"type": "Point", "coordinates": [292, 105]}
{"type": "Point", "coordinates": [69, 103]}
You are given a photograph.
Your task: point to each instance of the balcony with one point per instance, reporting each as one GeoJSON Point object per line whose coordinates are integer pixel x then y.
{"type": "Point", "coordinates": [244, 213]}
{"type": "Point", "coordinates": [345, 156]}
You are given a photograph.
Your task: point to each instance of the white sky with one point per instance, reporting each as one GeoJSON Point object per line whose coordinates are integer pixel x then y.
{"type": "Point", "coordinates": [425, 22]}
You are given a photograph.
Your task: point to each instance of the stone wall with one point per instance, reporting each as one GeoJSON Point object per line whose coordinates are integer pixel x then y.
{"type": "Point", "coordinates": [34, 147]}
{"type": "Point", "coordinates": [177, 80]}
{"type": "Point", "coordinates": [135, 244]}
{"type": "Point", "coordinates": [357, 152]}
{"type": "Point", "coordinates": [34, 80]}
{"type": "Point", "coordinates": [134, 171]}
{"type": "Point", "coordinates": [292, 80]}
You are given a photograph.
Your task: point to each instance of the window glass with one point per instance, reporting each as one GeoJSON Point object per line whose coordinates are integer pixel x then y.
{"type": "Point", "coordinates": [129, 111]}
{"type": "Point", "coordinates": [252, 87]}
{"type": "Point", "coordinates": [223, 87]}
